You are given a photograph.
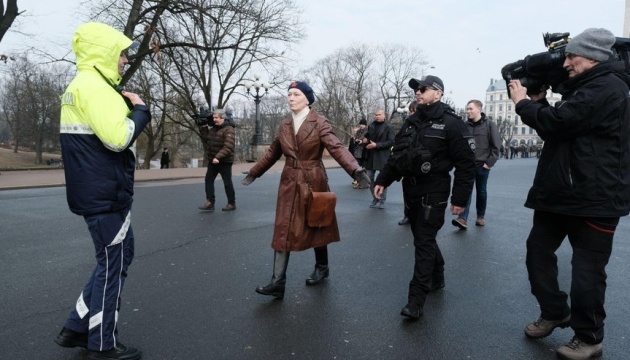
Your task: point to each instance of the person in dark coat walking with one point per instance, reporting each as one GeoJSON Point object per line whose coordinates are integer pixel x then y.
{"type": "Point", "coordinates": [580, 190]}
{"type": "Point", "coordinates": [165, 159]}
{"type": "Point", "coordinates": [302, 138]}
{"type": "Point", "coordinates": [378, 142]}
{"type": "Point", "coordinates": [357, 148]}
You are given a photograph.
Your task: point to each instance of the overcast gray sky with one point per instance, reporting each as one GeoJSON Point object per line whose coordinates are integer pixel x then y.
{"type": "Point", "coordinates": [468, 41]}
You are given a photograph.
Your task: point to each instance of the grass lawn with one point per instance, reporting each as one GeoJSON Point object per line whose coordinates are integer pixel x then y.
{"type": "Point", "coordinates": [23, 160]}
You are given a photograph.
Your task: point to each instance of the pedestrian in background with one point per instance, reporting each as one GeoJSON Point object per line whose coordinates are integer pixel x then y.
{"type": "Point", "coordinates": [98, 131]}
{"type": "Point", "coordinates": [581, 188]}
{"type": "Point", "coordinates": [357, 147]}
{"type": "Point", "coordinates": [486, 136]}
{"type": "Point", "coordinates": [301, 138]}
{"type": "Point", "coordinates": [405, 219]}
{"type": "Point", "coordinates": [219, 144]}
{"type": "Point", "coordinates": [165, 159]}
{"type": "Point", "coordinates": [378, 142]}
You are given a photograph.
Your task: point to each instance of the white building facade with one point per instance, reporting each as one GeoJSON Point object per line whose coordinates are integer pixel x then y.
{"type": "Point", "coordinates": [499, 107]}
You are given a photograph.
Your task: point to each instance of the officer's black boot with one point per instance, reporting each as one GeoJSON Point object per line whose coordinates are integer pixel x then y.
{"type": "Point", "coordinates": [276, 287]}
{"type": "Point", "coordinates": [321, 266]}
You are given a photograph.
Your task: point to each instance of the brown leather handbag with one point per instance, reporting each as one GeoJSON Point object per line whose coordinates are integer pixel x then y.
{"type": "Point", "coordinates": [321, 205]}
{"type": "Point", "coordinates": [321, 208]}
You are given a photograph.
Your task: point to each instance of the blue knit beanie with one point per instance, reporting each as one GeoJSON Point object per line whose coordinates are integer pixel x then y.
{"type": "Point", "coordinates": [305, 89]}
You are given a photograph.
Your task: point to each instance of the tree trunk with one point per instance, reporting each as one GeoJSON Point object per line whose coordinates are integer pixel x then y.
{"type": "Point", "coordinates": [149, 154]}
{"type": "Point", "coordinates": [6, 18]}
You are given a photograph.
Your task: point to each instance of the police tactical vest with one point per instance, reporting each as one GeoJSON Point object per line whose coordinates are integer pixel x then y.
{"type": "Point", "coordinates": [409, 157]}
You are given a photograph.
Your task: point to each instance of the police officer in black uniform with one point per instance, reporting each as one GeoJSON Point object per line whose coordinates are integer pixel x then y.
{"type": "Point", "coordinates": [431, 142]}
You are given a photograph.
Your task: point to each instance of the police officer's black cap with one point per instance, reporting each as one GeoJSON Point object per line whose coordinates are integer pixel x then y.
{"type": "Point", "coordinates": [429, 81]}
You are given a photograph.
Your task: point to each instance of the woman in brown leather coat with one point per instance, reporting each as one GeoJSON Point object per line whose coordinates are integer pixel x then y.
{"type": "Point", "coordinates": [301, 138]}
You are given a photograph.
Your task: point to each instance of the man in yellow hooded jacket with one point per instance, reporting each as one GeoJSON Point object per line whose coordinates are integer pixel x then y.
{"type": "Point", "coordinates": [99, 125]}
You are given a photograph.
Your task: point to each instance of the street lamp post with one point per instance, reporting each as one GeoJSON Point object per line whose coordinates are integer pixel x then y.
{"type": "Point", "coordinates": [257, 95]}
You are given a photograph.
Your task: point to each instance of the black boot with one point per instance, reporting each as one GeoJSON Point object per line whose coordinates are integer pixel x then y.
{"type": "Point", "coordinates": [321, 266]}
{"type": "Point", "coordinates": [276, 287]}
{"type": "Point", "coordinates": [438, 282]}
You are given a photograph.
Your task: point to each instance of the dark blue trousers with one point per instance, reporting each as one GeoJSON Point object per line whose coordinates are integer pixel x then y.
{"type": "Point", "coordinates": [96, 310]}
{"type": "Point", "coordinates": [481, 185]}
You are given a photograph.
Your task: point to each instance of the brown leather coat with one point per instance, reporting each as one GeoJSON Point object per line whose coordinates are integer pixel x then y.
{"type": "Point", "coordinates": [303, 153]}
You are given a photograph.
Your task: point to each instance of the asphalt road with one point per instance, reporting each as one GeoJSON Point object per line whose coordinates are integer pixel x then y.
{"type": "Point", "coordinates": [190, 292]}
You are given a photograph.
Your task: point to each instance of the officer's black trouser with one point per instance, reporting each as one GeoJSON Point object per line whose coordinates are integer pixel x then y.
{"type": "Point", "coordinates": [429, 263]}
{"type": "Point", "coordinates": [591, 240]}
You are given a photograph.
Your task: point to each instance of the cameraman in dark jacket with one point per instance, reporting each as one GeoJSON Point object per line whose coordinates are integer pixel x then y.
{"type": "Point", "coordinates": [218, 141]}
{"type": "Point", "coordinates": [448, 140]}
{"type": "Point", "coordinates": [581, 188]}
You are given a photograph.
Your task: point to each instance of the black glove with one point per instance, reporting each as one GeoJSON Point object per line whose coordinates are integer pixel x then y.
{"type": "Point", "coordinates": [363, 179]}
{"type": "Point", "coordinates": [248, 180]}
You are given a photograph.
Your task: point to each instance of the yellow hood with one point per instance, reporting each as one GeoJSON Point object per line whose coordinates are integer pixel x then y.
{"type": "Point", "coordinates": [99, 45]}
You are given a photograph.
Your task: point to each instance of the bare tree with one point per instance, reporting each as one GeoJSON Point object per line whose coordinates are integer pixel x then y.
{"type": "Point", "coordinates": [334, 97]}
{"type": "Point", "coordinates": [507, 130]}
{"type": "Point", "coordinates": [30, 103]}
{"type": "Point", "coordinates": [201, 51]}
{"type": "Point", "coordinates": [273, 109]}
{"type": "Point", "coordinates": [7, 16]}
{"type": "Point", "coordinates": [360, 59]}
{"type": "Point", "coordinates": [397, 64]}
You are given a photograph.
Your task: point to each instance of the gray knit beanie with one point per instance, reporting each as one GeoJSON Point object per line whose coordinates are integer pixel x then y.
{"type": "Point", "coordinates": [593, 43]}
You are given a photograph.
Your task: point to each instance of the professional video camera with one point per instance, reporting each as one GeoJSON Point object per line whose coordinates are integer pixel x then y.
{"type": "Point", "coordinates": [204, 117]}
{"type": "Point", "coordinates": [545, 69]}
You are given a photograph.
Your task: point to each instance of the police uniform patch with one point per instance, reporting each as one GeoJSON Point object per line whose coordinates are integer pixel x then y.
{"type": "Point", "coordinates": [438, 126]}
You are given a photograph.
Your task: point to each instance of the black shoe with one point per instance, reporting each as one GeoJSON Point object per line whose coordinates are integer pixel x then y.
{"type": "Point", "coordinates": [71, 339]}
{"type": "Point", "coordinates": [120, 352]}
{"type": "Point", "coordinates": [411, 311]}
{"type": "Point", "coordinates": [438, 283]}
{"type": "Point", "coordinates": [374, 203]}
{"type": "Point", "coordinates": [275, 290]}
{"type": "Point", "coordinates": [404, 221]}
{"type": "Point", "coordinates": [318, 275]}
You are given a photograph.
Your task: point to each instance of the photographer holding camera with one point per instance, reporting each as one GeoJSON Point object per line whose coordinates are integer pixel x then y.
{"type": "Point", "coordinates": [581, 187]}
{"type": "Point", "coordinates": [218, 141]}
